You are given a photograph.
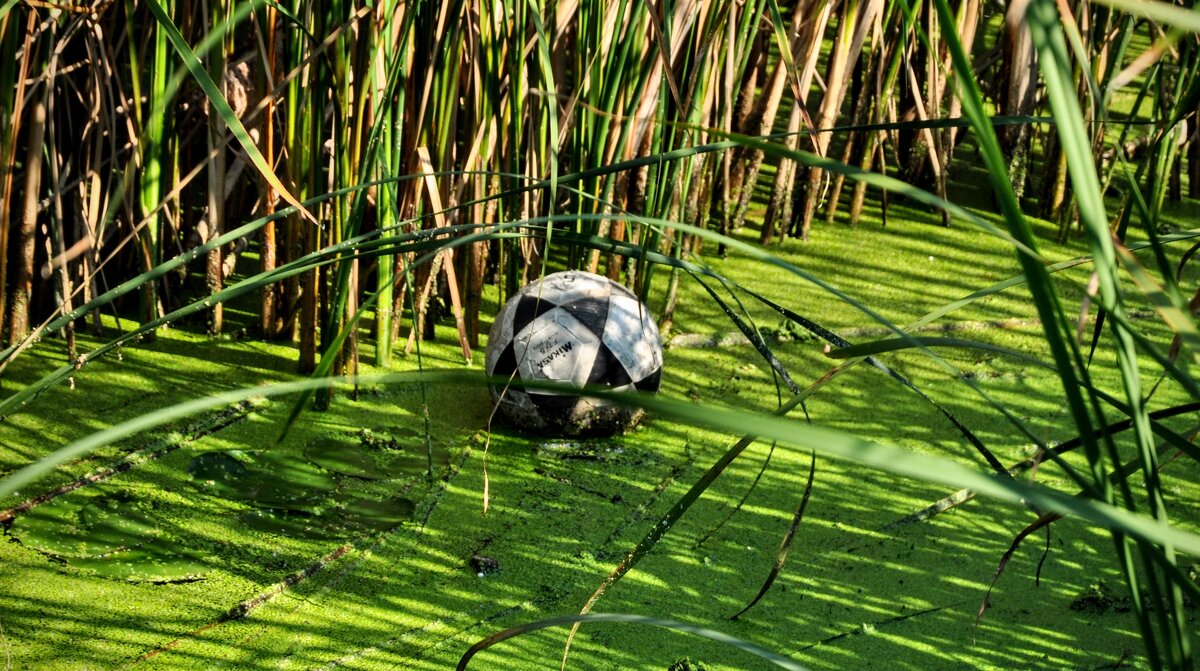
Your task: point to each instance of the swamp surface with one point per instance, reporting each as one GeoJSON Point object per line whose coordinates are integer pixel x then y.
{"type": "Point", "coordinates": [212, 544]}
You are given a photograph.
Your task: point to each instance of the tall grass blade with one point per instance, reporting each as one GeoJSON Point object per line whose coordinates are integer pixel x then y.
{"type": "Point", "coordinates": [193, 64]}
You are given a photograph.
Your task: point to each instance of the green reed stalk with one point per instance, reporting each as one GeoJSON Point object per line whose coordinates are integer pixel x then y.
{"type": "Point", "coordinates": [387, 166]}
{"type": "Point", "coordinates": [10, 111]}
{"type": "Point", "coordinates": [154, 153]}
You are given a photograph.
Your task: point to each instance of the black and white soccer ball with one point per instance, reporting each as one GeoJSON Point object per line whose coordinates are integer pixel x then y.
{"type": "Point", "coordinates": [578, 328]}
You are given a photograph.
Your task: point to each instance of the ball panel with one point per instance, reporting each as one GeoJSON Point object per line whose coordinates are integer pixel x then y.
{"type": "Point", "coordinates": [591, 312]}
{"type": "Point", "coordinates": [505, 363]}
{"type": "Point", "coordinates": [618, 289]}
{"type": "Point", "coordinates": [499, 337]}
{"type": "Point", "coordinates": [607, 369]}
{"type": "Point", "coordinates": [529, 308]}
{"type": "Point", "coordinates": [569, 286]}
{"type": "Point", "coordinates": [633, 337]}
{"type": "Point", "coordinates": [649, 384]}
{"type": "Point", "coordinates": [556, 347]}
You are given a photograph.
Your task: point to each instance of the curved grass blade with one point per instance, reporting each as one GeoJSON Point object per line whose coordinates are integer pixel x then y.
{"type": "Point", "coordinates": [7, 7]}
{"type": "Point", "coordinates": [416, 240]}
{"type": "Point", "coordinates": [330, 255]}
{"type": "Point", "coordinates": [325, 365]}
{"type": "Point", "coordinates": [1026, 247]}
{"type": "Point", "coordinates": [898, 344]}
{"type": "Point", "coordinates": [1166, 303]}
{"type": "Point", "coordinates": [964, 495]}
{"type": "Point", "coordinates": [1042, 19]}
{"type": "Point", "coordinates": [786, 544]}
{"type": "Point", "coordinates": [1017, 280]}
{"type": "Point", "coordinates": [741, 502]}
{"type": "Point", "coordinates": [838, 341]}
{"type": "Point", "coordinates": [1045, 25]}
{"type": "Point", "coordinates": [753, 335]}
{"type": "Point", "coordinates": [1042, 522]}
{"type": "Point", "coordinates": [931, 469]}
{"type": "Point", "coordinates": [512, 632]}
{"type": "Point", "coordinates": [834, 339]}
{"type": "Point", "coordinates": [1162, 12]}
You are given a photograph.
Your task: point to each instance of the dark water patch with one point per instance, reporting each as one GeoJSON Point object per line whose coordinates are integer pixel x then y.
{"type": "Point", "coordinates": [370, 515]}
{"type": "Point", "coordinates": [351, 455]}
{"type": "Point", "coordinates": [343, 518]}
{"type": "Point", "coordinates": [110, 535]}
{"type": "Point", "coordinates": [266, 479]}
{"type": "Point", "coordinates": [318, 494]}
{"type": "Point", "coordinates": [345, 456]}
{"type": "Point", "coordinates": [102, 525]}
{"type": "Point", "coordinates": [146, 564]}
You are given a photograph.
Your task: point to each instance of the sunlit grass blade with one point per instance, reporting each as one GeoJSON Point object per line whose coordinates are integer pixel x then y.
{"type": "Point", "coordinates": [1172, 15]}
{"type": "Point", "coordinates": [897, 344]}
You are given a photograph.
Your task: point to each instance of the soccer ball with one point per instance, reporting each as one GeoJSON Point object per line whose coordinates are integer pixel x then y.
{"type": "Point", "coordinates": [577, 328]}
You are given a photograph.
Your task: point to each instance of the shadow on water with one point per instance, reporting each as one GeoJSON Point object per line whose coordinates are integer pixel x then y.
{"type": "Point", "coordinates": [408, 593]}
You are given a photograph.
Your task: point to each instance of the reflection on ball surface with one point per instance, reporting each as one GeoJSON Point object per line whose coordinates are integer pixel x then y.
{"type": "Point", "coordinates": [578, 328]}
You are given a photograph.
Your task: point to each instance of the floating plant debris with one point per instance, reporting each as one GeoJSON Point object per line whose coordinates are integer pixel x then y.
{"type": "Point", "coordinates": [586, 450]}
{"type": "Point", "coordinates": [410, 439]}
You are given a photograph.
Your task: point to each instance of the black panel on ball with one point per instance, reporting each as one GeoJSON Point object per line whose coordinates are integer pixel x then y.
{"type": "Point", "coordinates": [529, 308]}
{"type": "Point", "coordinates": [650, 382]}
{"type": "Point", "coordinates": [607, 369]}
{"type": "Point", "coordinates": [506, 363]}
{"type": "Point", "coordinates": [591, 312]}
